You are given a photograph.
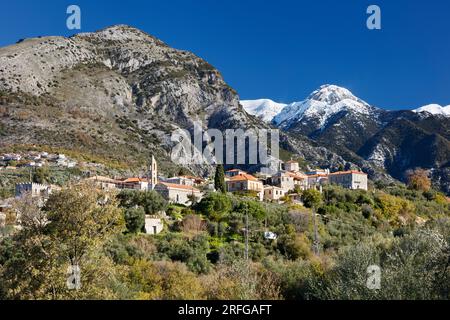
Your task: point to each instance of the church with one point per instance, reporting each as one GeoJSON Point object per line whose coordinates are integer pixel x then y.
{"type": "Point", "coordinates": [172, 192]}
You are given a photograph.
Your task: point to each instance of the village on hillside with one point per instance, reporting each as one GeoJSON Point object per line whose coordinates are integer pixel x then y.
{"type": "Point", "coordinates": [285, 185]}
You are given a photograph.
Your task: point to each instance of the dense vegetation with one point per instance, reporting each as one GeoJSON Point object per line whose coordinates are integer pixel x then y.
{"type": "Point", "coordinates": [200, 255]}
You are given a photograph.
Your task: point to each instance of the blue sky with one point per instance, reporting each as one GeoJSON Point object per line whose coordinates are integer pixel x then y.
{"type": "Point", "coordinates": [280, 49]}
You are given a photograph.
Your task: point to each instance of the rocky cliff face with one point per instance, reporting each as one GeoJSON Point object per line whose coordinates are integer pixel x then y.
{"type": "Point", "coordinates": [119, 93]}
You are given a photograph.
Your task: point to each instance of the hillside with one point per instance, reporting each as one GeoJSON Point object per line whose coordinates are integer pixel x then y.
{"type": "Point", "coordinates": [118, 94]}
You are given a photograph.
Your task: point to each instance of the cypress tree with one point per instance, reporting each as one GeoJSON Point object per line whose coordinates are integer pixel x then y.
{"type": "Point", "coordinates": [219, 179]}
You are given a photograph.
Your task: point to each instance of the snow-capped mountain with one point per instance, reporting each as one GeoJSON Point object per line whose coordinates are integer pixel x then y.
{"type": "Point", "coordinates": [322, 105]}
{"type": "Point", "coordinates": [393, 140]}
{"type": "Point", "coordinates": [434, 109]}
{"type": "Point", "coordinates": [265, 109]}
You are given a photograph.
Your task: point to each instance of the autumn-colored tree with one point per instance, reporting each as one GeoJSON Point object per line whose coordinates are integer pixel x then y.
{"type": "Point", "coordinates": [68, 231]}
{"type": "Point", "coordinates": [163, 280]}
{"type": "Point", "coordinates": [243, 281]}
{"type": "Point", "coordinates": [418, 179]}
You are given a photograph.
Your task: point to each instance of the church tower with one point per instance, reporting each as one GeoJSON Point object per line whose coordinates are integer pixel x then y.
{"type": "Point", "coordinates": [153, 177]}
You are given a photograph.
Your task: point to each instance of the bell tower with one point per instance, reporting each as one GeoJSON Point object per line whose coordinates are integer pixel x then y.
{"type": "Point", "coordinates": [153, 177]}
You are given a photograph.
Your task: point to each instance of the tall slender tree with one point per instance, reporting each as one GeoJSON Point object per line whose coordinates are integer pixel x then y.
{"type": "Point", "coordinates": [219, 179]}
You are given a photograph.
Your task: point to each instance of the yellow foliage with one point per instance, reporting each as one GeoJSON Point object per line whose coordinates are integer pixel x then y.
{"type": "Point", "coordinates": [394, 208]}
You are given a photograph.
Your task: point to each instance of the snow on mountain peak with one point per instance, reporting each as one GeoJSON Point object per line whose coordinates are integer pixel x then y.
{"type": "Point", "coordinates": [265, 109]}
{"type": "Point", "coordinates": [321, 105]}
{"type": "Point", "coordinates": [331, 94]}
{"type": "Point", "coordinates": [434, 109]}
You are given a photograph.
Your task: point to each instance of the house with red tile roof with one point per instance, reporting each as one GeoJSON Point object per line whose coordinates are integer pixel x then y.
{"type": "Point", "coordinates": [245, 182]}
{"type": "Point", "coordinates": [178, 193]}
{"type": "Point", "coordinates": [234, 172]}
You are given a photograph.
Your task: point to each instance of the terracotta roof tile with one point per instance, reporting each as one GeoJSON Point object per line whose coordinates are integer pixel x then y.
{"type": "Point", "coordinates": [348, 172]}
{"type": "Point", "coordinates": [243, 177]}
{"type": "Point", "coordinates": [179, 186]}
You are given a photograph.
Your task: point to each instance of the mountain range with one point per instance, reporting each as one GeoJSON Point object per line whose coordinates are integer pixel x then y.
{"type": "Point", "coordinates": [117, 95]}
{"type": "Point", "coordinates": [394, 140]}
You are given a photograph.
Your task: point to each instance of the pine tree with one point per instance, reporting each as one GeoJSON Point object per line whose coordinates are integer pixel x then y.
{"type": "Point", "coordinates": [219, 179]}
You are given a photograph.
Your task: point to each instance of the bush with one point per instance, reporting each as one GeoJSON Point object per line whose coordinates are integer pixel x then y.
{"type": "Point", "coordinates": [311, 198]}
{"type": "Point", "coordinates": [151, 201]}
{"type": "Point", "coordinates": [241, 280]}
{"type": "Point", "coordinates": [135, 219]}
{"type": "Point", "coordinates": [215, 206]}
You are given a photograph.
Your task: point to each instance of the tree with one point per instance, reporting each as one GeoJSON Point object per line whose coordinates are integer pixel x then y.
{"type": "Point", "coordinates": [68, 231]}
{"type": "Point", "coordinates": [294, 245]}
{"type": "Point", "coordinates": [243, 281]}
{"type": "Point", "coordinates": [80, 217]}
{"type": "Point", "coordinates": [219, 179]}
{"type": "Point", "coordinates": [163, 281]}
{"type": "Point", "coordinates": [418, 179]}
{"type": "Point", "coordinates": [216, 206]}
{"type": "Point", "coordinates": [41, 175]}
{"type": "Point", "coordinates": [311, 198]}
{"type": "Point", "coordinates": [135, 219]}
{"type": "Point", "coordinates": [253, 208]}
{"type": "Point", "coordinates": [151, 201]}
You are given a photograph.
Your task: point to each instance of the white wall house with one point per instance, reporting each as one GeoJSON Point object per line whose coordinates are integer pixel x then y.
{"type": "Point", "coordinates": [234, 172]}
{"type": "Point", "coordinates": [153, 225]}
{"type": "Point", "coordinates": [349, 179]}
{"type": "Point", "coordinates": [176, 193]}
{"type": "Point", "coordinates": [317, 180]}
{"type": "Point", "coordinates": [272, 193]}
{"type": "Point", "coordinates": [181, 180]}
{"type": "Point", "coordinates": [284, 181]}
{"type": "Point", "coordinates": [245, 182]}
{"type": "Point", "coordinates": [292, 166]}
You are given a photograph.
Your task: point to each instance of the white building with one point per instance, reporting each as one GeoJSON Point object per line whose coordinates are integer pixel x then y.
{"type": "Point", "coordinates": [104, 183]}
{"type": "Point", "coordinates": [272, 193]}
{"type": "Point", "coordinates": [234, 172]}
{"type": "Point", "coordinates": [153, 174]}
{"type": "Point", "coordinates": [153, 225]}
{"type": "Point", "coordinates": [177, 193]}
{"type": "Point", "coordinates": [349, 179]}
{"type": "Point", "coordinates": [141, 184]}
{"type": "Point", "coordinates": [317, 181]}
{"type": "Point", "coordinates": [300, 180]}
{"type": "Point", "coordinates": [292, 166]}
{"type": "Point", "coordinates": [283, 180]}
{"type": "Point", "coordinates": [247, 183]}
{"type": "Point", "coordinates": [181, 180]}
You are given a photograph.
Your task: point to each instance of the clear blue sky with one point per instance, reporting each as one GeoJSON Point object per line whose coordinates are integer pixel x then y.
{"type": "Point", "coordinates": [280, 49]}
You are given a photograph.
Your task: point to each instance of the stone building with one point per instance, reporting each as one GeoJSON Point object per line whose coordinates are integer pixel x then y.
{"type": "Point", "coordinates": [273, 193]}
{"type": "Point", "coordinates": [177, 193]}
{"type": "Point", "coordinates": [354, 180]}
{"type": "Point", "coordinates": [245, 182]}
{"type": "Point", "coordinates": [153, 225]}
{"type": "Point", "coordinates": [292, 166]}
{"type": "Point", "coordinates": [33, 189]}
{"type": "Point", "coordinates": [283, 180]}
